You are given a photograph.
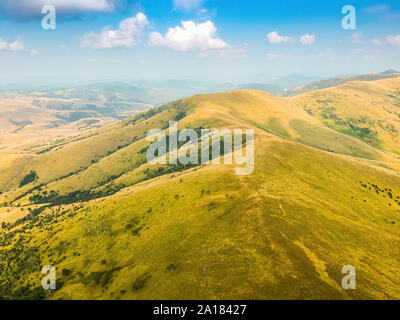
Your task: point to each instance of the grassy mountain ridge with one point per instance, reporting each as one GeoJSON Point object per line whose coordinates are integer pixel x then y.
{"type": "Point", "coordinates": [321, 197]}
{"type": "Point", "coordinates": [329, 83]}
{"type": "Point", "coordinates": [374, 114]}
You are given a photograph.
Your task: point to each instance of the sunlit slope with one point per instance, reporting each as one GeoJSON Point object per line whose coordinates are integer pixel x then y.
{"type": "Point", "coordinates": [329, 83]}
{"type": "Point", "coordinates": [116, 152]}
{"type": "Point", "coordinates": [274, 115]}
{"type": "Point", "coordinates": [76, 156]}
{"type": "Point", "coordinates": [116, 227]}
{"type": "Point", "coordinates": [284, 232]}
{"type": "Point", "coordinates": [369, 111]}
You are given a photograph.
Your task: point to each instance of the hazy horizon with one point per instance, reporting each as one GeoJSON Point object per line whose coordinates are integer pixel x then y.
{"type": "Point", "coordinates": [143, 82]}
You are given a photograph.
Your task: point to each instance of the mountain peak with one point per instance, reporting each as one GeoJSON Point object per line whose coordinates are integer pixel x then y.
{"type": "Point", "coordinates": [390, 71]}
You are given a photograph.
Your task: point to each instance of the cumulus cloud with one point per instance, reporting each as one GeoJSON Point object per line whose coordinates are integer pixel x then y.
{"type": "Point", "coordinates": [274, 37]}
{"type": "Point", "coordinates": [29, 8]}
{"type": "Point", "coordinates": [188, 5]}
{"type": "Point", "coordinates": [307, 39]}
{"type": "Point", "coordinates": [3, 44]}
{"type": "Point", "coordinates": [188, 37]}
{"type": "Point", "coordinates": [394, 40]}
{"type": "Point", "coordinates": [16, 46]}
{"type": "Point", "coordinates": [127, 35]}
{"type": "Point", "coordinates": [12, 46]}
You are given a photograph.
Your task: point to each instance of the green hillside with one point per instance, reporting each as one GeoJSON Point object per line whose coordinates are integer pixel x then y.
{"type": "Point", "coordinates": [321, 197]}
{"type": "Point", "coordinates": [368, 111]}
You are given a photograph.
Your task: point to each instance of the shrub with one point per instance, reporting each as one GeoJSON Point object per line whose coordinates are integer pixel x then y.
{"type": "Point", "coordinates": [140, 282]}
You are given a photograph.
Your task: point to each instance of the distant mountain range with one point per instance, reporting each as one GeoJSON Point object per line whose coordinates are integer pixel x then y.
{"type": "Point", "coordinates": [161, 92]}
{"type": "Point", "coordinates": [294, 80]}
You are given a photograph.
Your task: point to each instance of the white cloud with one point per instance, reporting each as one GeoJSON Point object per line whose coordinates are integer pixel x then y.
{"type": "Point", "coordinates": [24, 8]}
{"type": "Point", "coordinates": [274, 37]}
{"type": "Point", "coordinates": [3, 45]}
{"type": "Point", "coordinates": [394, 40]}
{"type": "Point", "coordinates": [190, 36]}
{"type": "Point", "coordinates": [187, 5]}
{"type": "Point", "coordinates": [356, 38]}
{"type": "Point", "coordinates": [127, 35]}
{"type": "Point", "coordinates": [377, 42]}
{"type": "Point", "coordinates": [307, 39]}
{"type": "Point", "coordinates": [13, 46]}
{"type": "Point", "coordinates": [33, 53]}
{"type": "Point", "coordinates": [16, 46]}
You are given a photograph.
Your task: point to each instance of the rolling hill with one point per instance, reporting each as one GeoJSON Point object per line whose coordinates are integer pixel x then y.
{"type": "Point", "coordinates": [329, 83]}
{"type": "Point", "coordinates": [325, 193]}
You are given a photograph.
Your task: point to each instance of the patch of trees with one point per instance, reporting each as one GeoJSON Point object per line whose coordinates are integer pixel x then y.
{"type": "Point", "coordinates": [30, 177]}
{"type": "Point", "coordinates": [76, 196]}
{"type": "Point", "coordinates": [146, 115]}
{"type": "Point", "coordinates": [178, 106]}
{"type": "Point", "coordinates": [102, 278]}
{"type": "Point", "coordinates": [161, 171]}
{"type": "Point", "coordinates": [180, 115]}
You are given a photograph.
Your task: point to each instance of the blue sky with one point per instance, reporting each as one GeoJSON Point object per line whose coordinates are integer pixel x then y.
{"type": "Point", "coordinates": [209, 40]}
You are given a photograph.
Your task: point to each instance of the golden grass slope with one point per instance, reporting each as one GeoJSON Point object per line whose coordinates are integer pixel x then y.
{"type": "Point", "coordinates": [369, 111]}
{"type": "Point", "coordinates": [114, 150]}
{"type": "Point", "coordinates": [320, 198]}
{"type": "Point", "coordinates": [284, 232]}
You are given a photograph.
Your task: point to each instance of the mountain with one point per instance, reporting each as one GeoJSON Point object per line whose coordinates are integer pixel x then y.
{"type": "Point", "coordinates": [325, 193]}
{"type": "Point", "coordinates": [329, 83]}
{"type": "Point", "coordinates": [390, 71]}
{"type": "Point", "coordinates": [294, 80]}
{"type": "Point", "coordinates": [226, 87]}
